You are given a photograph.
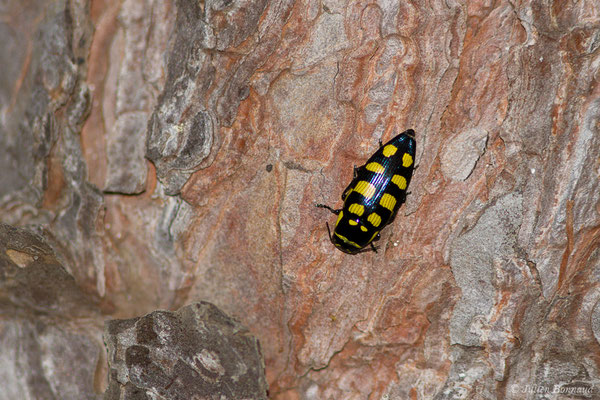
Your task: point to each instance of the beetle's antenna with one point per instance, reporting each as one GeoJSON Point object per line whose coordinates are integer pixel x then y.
{"type": "Point", "coordinates": [336, 212]}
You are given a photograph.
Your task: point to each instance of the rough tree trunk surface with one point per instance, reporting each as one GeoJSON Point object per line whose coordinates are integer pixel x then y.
{"type": "Point", "coordinates": [158, 153]}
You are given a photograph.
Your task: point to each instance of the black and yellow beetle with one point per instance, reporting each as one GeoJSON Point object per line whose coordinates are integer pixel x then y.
{"type": "Point", "coordinates": [374, 196]}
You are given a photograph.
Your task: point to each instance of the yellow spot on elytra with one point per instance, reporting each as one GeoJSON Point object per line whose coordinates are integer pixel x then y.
{"type": "Point", "coordinates": [357, 209]}
{"type": "Point", "coordinates": [340, 215]}
{"type": "Point", "coordinates": [375, 167]}
{"type": "Point", "coordinates": [365, 188]}
{"type": "Point", "coordinates": [407, 160]}
{"type": "Point", "coordinates": [363, 228]}
{"type": "Point", "coordinates": [352, 222]}
{"type": "Point", "coordinates": [389, 150]}
{"type": "Point", "coordinates": [388, 201]}
{"type": "Point", "coordinates": [374, 219]}
{"type": "Point", "coordinates": [399, 181]}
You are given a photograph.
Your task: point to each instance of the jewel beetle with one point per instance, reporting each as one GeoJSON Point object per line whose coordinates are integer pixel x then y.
{"type": "Point", "coordinates": [372, 199]}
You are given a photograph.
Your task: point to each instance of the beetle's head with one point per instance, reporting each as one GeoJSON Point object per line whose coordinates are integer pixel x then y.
{"type": "Point", "coordinates": [344, 244]}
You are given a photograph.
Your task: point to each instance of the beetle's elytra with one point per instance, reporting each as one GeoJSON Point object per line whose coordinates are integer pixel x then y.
{"type": "Point", "coordinates": [374, 196]}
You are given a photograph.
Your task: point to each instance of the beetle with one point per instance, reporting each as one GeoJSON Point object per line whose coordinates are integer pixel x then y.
{"type": "Point", "coordinates": [373, 197]}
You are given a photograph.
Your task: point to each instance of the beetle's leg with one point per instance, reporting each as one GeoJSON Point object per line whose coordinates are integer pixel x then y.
{"type": "Point", "coordinates": [355, 173]}
{"type": "Point", "coordinates": [329, 233]}
{"type": "Point", "coordinates": [380, 143]}
{"type": "Point", "coordinates": [377, 237]}
{"type": "Point", "coordinates": [373, 247]}
{"type": "Point", "coordinates": [336, 212]}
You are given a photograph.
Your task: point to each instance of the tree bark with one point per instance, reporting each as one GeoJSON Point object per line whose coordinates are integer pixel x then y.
{"type": "Point", "coordinates": [155, 154]}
